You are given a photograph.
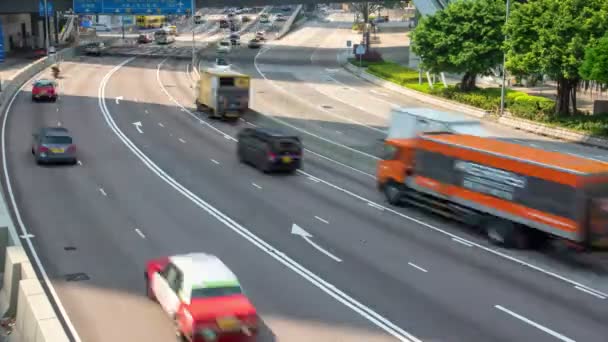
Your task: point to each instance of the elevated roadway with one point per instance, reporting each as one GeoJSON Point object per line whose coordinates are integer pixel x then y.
{"type": "Point", "coordinates": [175, 186]}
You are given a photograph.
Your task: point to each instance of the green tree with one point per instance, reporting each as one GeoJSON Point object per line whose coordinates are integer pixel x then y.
{"type": "Point", "coordinates": [365, 9]}
{"type": "Point", "coordinates": [466, 37]}
{"type": "Point", "coordinates": [550, 37]}
{"type": "Point", "coordinates": [595, 64]}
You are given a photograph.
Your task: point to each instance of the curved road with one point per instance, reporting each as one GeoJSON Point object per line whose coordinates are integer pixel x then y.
{"type": "Point", "coordinates": [177, 187]}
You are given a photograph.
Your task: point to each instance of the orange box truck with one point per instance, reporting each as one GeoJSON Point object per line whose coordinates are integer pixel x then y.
{"type": "Point", "coordinates": [519, 195]}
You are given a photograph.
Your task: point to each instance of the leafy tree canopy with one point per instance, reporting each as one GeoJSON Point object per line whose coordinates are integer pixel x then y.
{"type": "Point", "coordinates": [466, 37]}
{"type": "Point", "coordinates": [595, 64]}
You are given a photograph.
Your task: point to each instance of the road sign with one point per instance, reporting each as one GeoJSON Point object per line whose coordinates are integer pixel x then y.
{"type": "Point", "coordinates": [49, 8]}
{"type": "Point", "coordinates": [1, 43]}
{"type": "Point", "coordinates": [135, 7]}
{"type": "Point", "coordinates": [360, 50]}
{"type": "Point", "coordinates": [349, 43]}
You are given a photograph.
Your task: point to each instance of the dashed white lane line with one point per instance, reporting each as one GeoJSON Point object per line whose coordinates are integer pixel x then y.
{"type": "Point", "coordinates": [322, 220]}
{"type": "Point", "coordinates": [339, 132]}
{"type": "Point", "coordinates": [417, 267]}
{"type": "Point", "coordinates": [57, 109]}
{"type": "Point", "coordinates": [460, 241]}
{"type": "Point", "coordinates": [182, 140]}
{"type": "Point", "coordinates": [534, 324]}
{"type": "Point", "coordinates": [374, 205]}
{"type": "Point", "coordinates": [257, 186]}
{"type": "Point", "coordinates": [103, 192]}
{"type": "Point", "coordinates": [146, 111]}
{"type": "Point", "coordinates": [79, 163]}
{"type": "Point", "coordinates": [595, 294]}
{"type": "Point", "coordinates": [161, 125]}
{"type": "Point", "coordinates": [140, 233]}
{"type": "Point", "coordinates": [58, 123]}
{"type": "Point", "coordinates": [215, 162]}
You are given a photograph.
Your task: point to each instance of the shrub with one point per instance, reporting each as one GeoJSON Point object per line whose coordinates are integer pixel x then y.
{"type": "Point", "coordinates": [531, 107]}
{"type": "Point", "coordinates": [358, 26]}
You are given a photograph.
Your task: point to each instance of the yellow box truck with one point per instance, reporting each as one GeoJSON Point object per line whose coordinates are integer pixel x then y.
{"type": "Point", "coordinates": [223, 93]}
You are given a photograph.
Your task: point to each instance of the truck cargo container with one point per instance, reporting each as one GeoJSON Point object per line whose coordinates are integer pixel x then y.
{"type": "Point", "coordinates": [518, 195]}
{"type": "Point", "coordinates": [223, 93]}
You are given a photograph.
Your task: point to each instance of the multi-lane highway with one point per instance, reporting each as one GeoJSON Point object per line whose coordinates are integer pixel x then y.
{"type": "Point", "coordinates": [156, 179]}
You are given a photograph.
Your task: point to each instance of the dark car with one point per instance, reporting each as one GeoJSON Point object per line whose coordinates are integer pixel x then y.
{"type": "Point", "coordinates": [269, 150]}
{"type": "Point", "coordinates": [255, 43]}
{"type": "Point", "coordinates": [144, 39]}
{"type": "Point", "coordinates": [54, 145]}
{"type": "Point", "coordinates": [44, 89]}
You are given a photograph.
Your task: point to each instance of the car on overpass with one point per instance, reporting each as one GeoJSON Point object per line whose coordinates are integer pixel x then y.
{"type": "Point", "coordinates": [203, 296]}
{"type": "Point", "coordinates": [54, 145]}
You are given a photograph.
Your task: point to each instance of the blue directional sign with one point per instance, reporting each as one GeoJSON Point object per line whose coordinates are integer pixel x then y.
{"type": "Point", "coordinates": [141, 7]}
{"type": "Point", "coordinates": [49, 8]}
{"type": "Point", "coordinates": [88, 6]}
{"type": "Point", "coordinates": [1, 43]}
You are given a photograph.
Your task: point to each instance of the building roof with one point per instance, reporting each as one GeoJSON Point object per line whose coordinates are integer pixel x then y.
{"type": "Point", "coordinates": [204, 270]}
{"type": "Point", "coordinates": [523, 153]}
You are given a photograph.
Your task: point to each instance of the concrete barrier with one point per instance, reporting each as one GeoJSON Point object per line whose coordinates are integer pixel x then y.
{"type": "Point", "coordinates": [287, 27]}
{"type": "Point", "coordinates": [22, 295]}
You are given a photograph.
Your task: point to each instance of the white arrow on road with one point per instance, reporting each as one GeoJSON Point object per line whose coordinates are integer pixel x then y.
{"type": "Point", "coordinates": [297, 230]}
{"type": "Point", "coordinates": [119, 99]}
{"type": "Point", "coordinates": [138, 126]}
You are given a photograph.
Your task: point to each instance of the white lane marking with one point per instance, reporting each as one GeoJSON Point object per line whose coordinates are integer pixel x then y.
{"type": "Point", "coordinates": [372, 111]}
{"type": "Point", "coordinates": [226, 136]}
{"type": "Point", "coordinates": [339, 132]}
{"type": "Point", "coordinates": [264, 246]}
{"type": "Point", "coordinates": [534, 324]}
{"type": "Point", "coordinates": [378, 92]}
{"type": "Point", "coordinates": [417, 267]}
{"type": "Point", "coordinates": [118, 99]}
{"type": "Point", "coordinates": [461, 241]}
{"type": "Point", "coordinates": [79, 162]}
{"type": "Point", "coordinates": [375, 205]}
{"type": "Point", "coordinates": [215, 161]}
{"type": "Point", "coordinates": [140, 233]}
{"type": "Point", "coordinates": [57, 109]}
{"type": "Point", "coordinates": [297, 230]}
{"type": "Point", "coordinates": [58, 123]}
{"type": "Point", "coordinates": [103, 192]}
{"type": "Point", "coordinates": [146, 111]}
{"type": "Point", "coordinates": [322, 220]}
{"type": "Point", "coordinates": [257, 186]}
{"type": "Point", "coordinates": [182, 140]}
{"type": "Point", "coordinates": [161, 125]}
{"type": "Point", "coordinates": [27, 236]}
{"type": "Point", "coordinates": [590, 292]}
{"type": "Point", "coordinates": [314, 179]}
{"type": "Point", "coordinates": [23, 228]}
{"type": "Point", "coordinates": [138, 126]}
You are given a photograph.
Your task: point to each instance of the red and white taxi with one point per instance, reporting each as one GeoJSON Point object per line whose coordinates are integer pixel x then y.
{"type": "Point", "coordinates": [203, 296]}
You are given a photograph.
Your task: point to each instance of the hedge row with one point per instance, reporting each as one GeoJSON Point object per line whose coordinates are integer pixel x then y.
{"type": "Point", "coordinates": [520, 104]}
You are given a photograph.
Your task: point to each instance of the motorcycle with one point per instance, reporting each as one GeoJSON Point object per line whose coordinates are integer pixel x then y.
{"type": "Point", "coordinates": [55, 70]}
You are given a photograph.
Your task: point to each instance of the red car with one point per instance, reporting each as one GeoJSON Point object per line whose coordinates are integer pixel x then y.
{"type": "Point", "coordinates": [203, 296]}
{"type": "Point", "coordinates": [44, 89]}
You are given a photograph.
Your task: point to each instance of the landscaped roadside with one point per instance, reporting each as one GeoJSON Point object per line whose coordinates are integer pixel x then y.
{"type": "Point", "coordinates": [519, 104]}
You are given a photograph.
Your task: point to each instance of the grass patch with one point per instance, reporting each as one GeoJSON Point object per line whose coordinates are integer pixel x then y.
{"type": "Point", "coordinates": [520, 104]}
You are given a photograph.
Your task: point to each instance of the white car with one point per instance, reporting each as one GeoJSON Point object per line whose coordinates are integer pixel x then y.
{"type": "Point", "coordinates": [224, 46]}
{"type": "Point", "coordinates": [101, 27]}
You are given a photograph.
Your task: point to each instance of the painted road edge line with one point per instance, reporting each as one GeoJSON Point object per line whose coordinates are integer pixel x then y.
{"type": "Point", "coordinates": [281, 257]}
{"type": "Point", "coordinates": [591, 292]}
{"type": "Point", "coordinates": [534, 324]}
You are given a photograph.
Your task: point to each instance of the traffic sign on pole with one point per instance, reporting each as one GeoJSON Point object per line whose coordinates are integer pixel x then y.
{"type": "Point", "coordinates": [141, 7]}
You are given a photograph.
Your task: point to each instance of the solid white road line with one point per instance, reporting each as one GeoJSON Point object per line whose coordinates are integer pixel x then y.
{"type": "Point", "coordinates": [257, 186]}
{"type": "Point", "coordinates": [534, 324]}
{"type": "Point", "coordinates": [264, 246]}
{"type": "Point", "coordinates": [215, 161]}
{"type": "Point", "coordinates": [27, 236]}
{"type": "Point", "coordinates": [322, 220]}
{"type": "Point", "coordinates": [593, 293]}
{"type": "Point", "coordinates": [374, 205]}
{"type": "Point", "coordinates": [103, 192]}
{"type": "Point", "coordinates": [182, 140]}
{"type": "Point", "coordinates": [417, 267]}
{"type": "Point", "coordinates": [140, 233]}
{"type": "Point", "coordinates": [161, 125]}
{"type": "Point", "coordinates": [23, 228]}
{"type": "Point", "coordinates": [392, 211]}
{"type": "Point", "coordinates": [461, 241]}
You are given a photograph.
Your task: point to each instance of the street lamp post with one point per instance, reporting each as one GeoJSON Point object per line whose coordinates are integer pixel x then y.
{"type": "Point", "coordinates": [193, 36]}
{"type": "Point", "coordinates": [46, 27]}
{"type": "Point", "coordinates": [503, 90]}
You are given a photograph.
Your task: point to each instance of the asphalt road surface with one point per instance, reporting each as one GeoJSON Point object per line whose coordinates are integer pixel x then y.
{"type": "Point", "coordinates": [172, 184]}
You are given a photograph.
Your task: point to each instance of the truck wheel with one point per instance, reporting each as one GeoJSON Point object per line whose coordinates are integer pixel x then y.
{"type": "Point", "coordinates": [508, 234]}
{"type": "Point", "coordinates": [392, 193]}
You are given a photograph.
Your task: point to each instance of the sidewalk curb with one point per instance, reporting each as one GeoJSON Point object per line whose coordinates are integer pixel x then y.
{"type": "Point", "coordinates": [509, 120]}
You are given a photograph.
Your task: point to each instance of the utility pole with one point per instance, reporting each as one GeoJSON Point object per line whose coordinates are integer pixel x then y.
{"type": "Point", "coordinates": [193, 37]}
{"type": "Point", "coordinates": [503, 89]}
{"type": "Point", "coordinates": [46, 27]}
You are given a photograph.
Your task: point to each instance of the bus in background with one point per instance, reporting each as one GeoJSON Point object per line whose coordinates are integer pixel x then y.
{"type": "Point", "coordinates": [150, 21]}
